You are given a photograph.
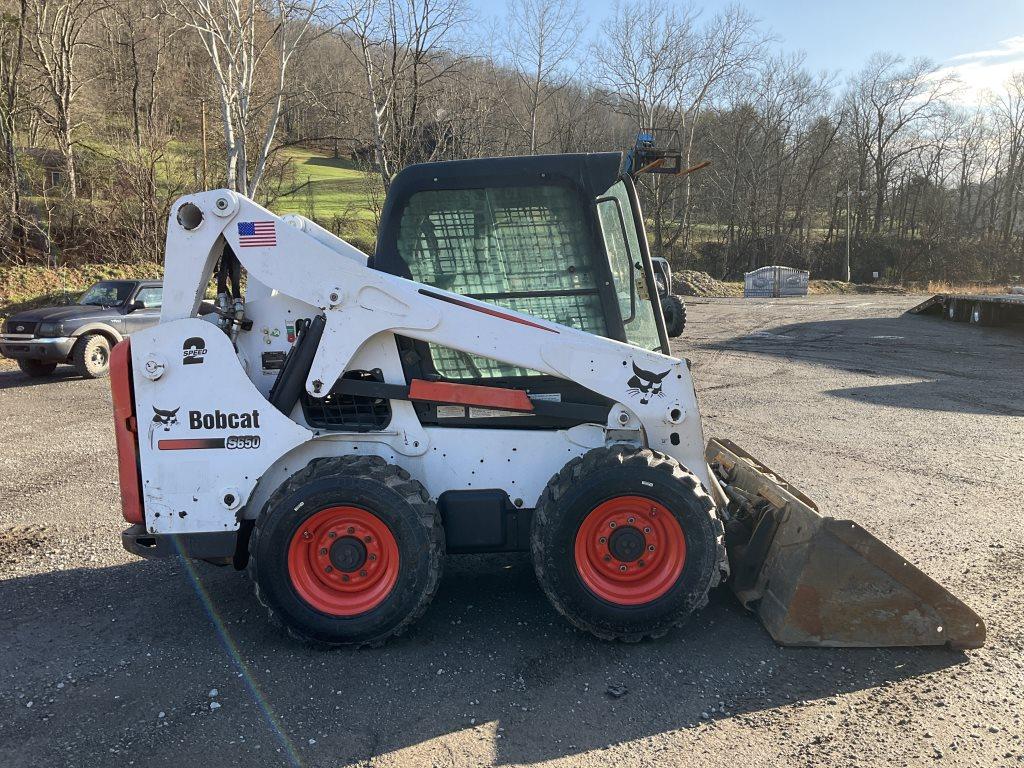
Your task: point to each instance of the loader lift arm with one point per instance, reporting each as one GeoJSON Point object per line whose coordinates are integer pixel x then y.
{"type": "Point", "coordinates": [359, 303]}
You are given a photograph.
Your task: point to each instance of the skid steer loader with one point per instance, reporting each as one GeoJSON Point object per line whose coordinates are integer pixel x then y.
{"type": "Point", "coordinates": [495, 378]}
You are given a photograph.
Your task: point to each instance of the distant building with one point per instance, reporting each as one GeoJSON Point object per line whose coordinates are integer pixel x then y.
{"type": "Point", "coordinates": [45, 170]}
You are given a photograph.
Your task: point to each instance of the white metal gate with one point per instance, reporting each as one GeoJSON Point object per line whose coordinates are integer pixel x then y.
{"type": "Point", "coordinates": [773, 282]}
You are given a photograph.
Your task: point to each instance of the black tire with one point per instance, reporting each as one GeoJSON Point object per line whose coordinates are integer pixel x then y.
{"type": "Point", "coordinates": [91, 356]}
{"type": "Point", "coordinates": [370, 484]}
{"type": "Point", "coordinates": [675, 314]}
{"type": "Point", "coordinates": [36, 368]}
{"type": "Point", "coordinates": [579, 489]}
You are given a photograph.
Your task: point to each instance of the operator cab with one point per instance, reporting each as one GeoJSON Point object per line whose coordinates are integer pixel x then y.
{"type": "Point", "coordinates": [559, 237]}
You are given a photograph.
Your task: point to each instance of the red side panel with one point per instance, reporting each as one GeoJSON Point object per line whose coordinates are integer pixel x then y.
{"type": "Point", "coordinates": [469, 394]}
{"type": "Point", "coordinates": [126, 432]}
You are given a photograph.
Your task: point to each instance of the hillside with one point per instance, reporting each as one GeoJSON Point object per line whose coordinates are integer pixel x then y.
{"type": "Point", "coordinates": [333, 192]}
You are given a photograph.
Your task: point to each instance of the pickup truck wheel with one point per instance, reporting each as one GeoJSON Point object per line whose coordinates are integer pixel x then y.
{"type": "Point", "coordinates": [91, 356]}
{"type": "Point", "coordinates": [36, 368]}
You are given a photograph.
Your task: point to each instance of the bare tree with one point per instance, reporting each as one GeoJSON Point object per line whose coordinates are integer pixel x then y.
{"type": "Point", "coordinates": [242, 38]}
{"type": "Point", "coordinates": [643, 56]}
{"type": "Point", "coordinates": [647, 51]}
{"type": "Point", "coordinates": [401, 46]}
{"type": "Point", "coordinates": [1009, 110]}
{"type": "Point", "coordinates": [892, 101]}
{"type": "Point", "coordinates": [12, 49]}
{"type": "Point", "coordinates": [541, 38]}
{"type": "Point", "coordinates": [57, 39]}
{"type": "Point", "coordinates": [728, 46]}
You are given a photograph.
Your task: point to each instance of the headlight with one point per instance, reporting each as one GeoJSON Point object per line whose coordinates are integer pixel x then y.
{"type": "Point", "coordinates": [48, 329]}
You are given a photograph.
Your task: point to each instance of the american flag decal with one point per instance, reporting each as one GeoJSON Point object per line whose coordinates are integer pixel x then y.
{"type": "Point", "coordinates": [252, 234]}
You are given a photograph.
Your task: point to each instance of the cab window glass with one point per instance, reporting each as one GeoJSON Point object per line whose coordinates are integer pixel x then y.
{"type": "Point", "coordinates": [528, 249]}
{"type": "Point", "coordinates": [622, 241]}
{"type": "Point", "coordinates": [619, 256]}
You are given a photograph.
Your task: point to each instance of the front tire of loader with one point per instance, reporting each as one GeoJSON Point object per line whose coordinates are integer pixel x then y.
{"type": "Point", "coordinates": [625, 543]}
{"type": "Point", "coordinates": [675, 315]}
{"type": "Point", "coordinates": [348, 551]}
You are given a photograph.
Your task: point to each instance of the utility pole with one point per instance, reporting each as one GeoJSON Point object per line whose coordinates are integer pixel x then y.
{"type": "Point", "coordinates": [847, 271]}
{"type": "Point", "coordinates": [206, 185]}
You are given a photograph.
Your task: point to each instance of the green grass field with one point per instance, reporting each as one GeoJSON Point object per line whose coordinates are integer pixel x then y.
{"type": "Point", "coordinates": [332, 192]}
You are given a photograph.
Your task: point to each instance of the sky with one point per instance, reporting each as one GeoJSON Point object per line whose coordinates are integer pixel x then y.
{"type": "Point", "coordinates": [982, 42]}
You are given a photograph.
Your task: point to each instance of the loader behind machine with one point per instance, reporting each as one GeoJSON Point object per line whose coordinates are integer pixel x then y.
{"type": "Point", "coordinates": [495, 378]}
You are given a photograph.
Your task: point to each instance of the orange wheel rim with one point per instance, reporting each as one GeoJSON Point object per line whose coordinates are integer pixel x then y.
{"type": "Point", "coordinates": [343, 561]}
{"type": "Point", "coordinates": [630, 550]}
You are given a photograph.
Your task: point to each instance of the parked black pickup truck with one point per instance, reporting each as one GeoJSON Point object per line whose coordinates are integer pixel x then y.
{"type": "Point", "coordinates": [83, 333]}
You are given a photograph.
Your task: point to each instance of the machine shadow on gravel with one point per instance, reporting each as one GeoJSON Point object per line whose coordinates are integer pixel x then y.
{"type": "Point", "coordinates": [965, 366]}
{"type": "Point", "coordinates": [15, 379]}
{"type": "Point", "coordinates": [490, 649]}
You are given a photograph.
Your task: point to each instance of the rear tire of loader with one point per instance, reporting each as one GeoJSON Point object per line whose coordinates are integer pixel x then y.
{"type": "Point", "coordinates": [348, 551]}
{"type": "Point", "coordinates": [593, 519]}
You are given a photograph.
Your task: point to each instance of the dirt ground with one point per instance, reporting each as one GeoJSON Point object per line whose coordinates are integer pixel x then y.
{"type": "Point", "coordinates": [912, 426]}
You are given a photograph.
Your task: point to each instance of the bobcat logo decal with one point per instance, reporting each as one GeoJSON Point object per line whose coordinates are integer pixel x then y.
{"type": "Point", "coordinates": [163, 419]}
{"type": "Point", "coordinates": [646, 384]}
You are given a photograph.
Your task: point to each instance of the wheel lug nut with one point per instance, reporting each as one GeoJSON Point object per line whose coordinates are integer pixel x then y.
{"type": "Point", "coordinates": [363, 574]}
{"type": "Point", "coordinates": [344, 577]}
{"type": "Point", "coordinates": [631, 520]}
{"type": "Point", "coordinates": [640, 563]}
{"type": "Point", "coordinates": [622, 567]}
{"type": "Point", "coordinates": [647, 529]}
{"type": "Point", "coordinates": [602, 540]}
{"type": "Point", "coordinates": [351, 529]}
{"type": "Point", "coordinates": [611, 524]}
{"type": "Point", "coordinates": [607, 558]}
{"type": "Point", "coordinates": [368, 539]}
{"type": "Point", "coordinates": [332, 535]}
{"type": "Point", "coordinates": [650, 548]}
{"type": "Point", "coordinates": [328, 569]}
{"type": "Point", "coordinates": [323, 550]}
{"type": "Point", "coordinates": [373, 556]}
{"type": "Point", "coordinates": [307, 535]}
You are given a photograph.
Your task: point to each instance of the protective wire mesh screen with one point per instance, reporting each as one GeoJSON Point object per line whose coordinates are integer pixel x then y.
{"type": "Point", "coordinates": [489, 243]}
{"type": "Point", "coordinates": [348, 412]}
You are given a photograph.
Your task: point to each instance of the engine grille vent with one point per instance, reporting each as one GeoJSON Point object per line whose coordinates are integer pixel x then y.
{"type": "Point", "coordinates": [349, 413]}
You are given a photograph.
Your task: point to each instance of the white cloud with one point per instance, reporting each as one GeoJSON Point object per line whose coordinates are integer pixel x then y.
{"type": "Point", "coordinates": [988, 70]}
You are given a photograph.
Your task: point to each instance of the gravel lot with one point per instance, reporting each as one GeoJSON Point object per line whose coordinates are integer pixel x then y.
{"type": "Point", "coordinates": [912, 426]}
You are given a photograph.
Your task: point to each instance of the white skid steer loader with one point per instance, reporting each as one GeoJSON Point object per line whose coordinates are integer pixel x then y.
{"type": "Point", "coordinates": [496, 378]}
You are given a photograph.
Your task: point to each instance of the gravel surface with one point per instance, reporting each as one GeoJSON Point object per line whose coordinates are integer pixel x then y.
{"type": "Point", "coordinates": [912, 426]}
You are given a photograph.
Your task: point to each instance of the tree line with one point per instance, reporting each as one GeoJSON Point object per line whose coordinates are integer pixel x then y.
{"type": "Point", "coordinates": [110, 109]}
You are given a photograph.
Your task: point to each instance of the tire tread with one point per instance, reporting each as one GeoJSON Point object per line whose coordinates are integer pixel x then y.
{"type": "Point", "coordinates": [373, 468]}
{"type": "Point", "coordinates": [595, 461]}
